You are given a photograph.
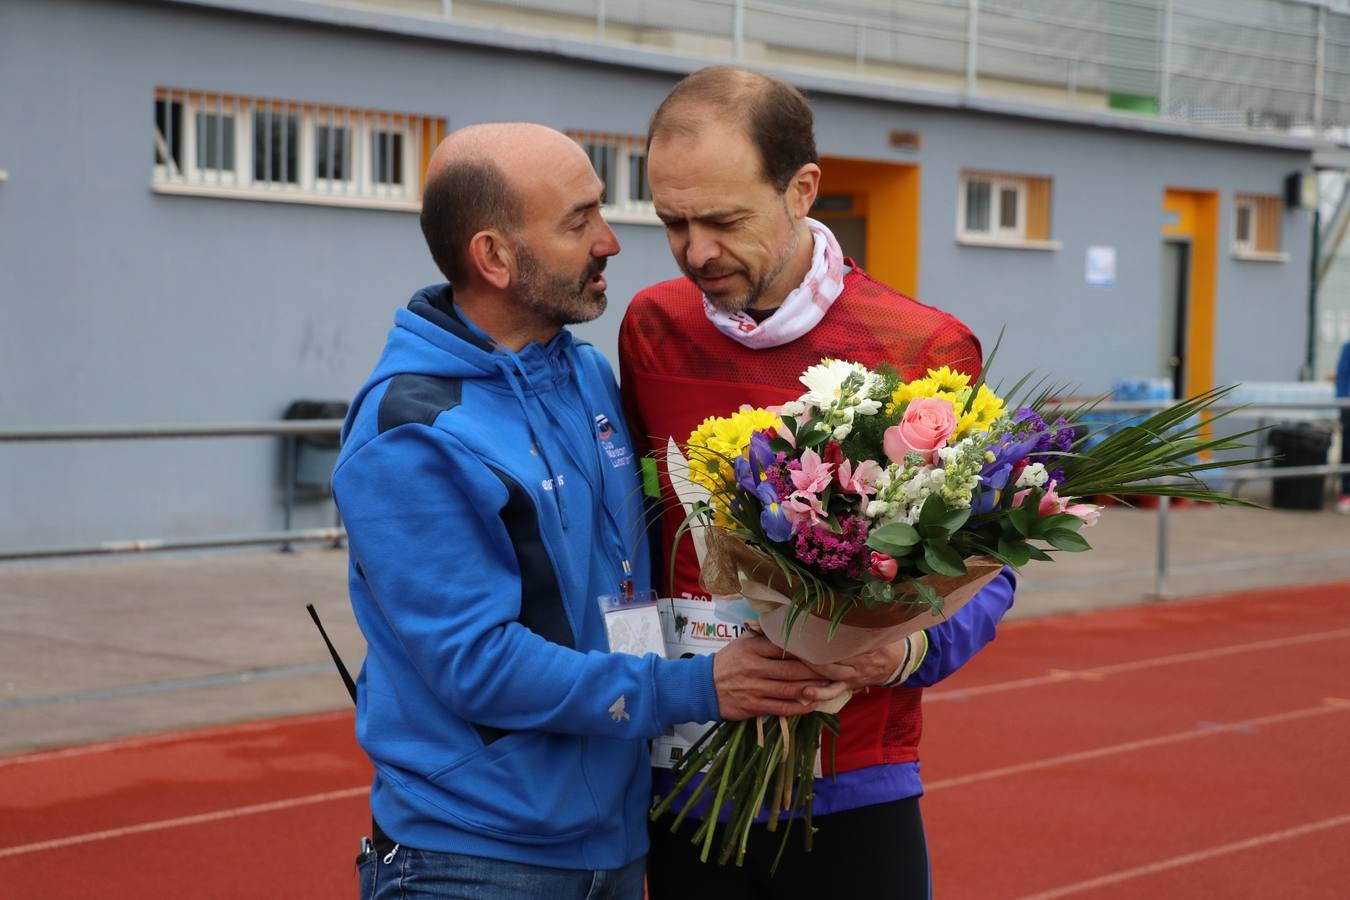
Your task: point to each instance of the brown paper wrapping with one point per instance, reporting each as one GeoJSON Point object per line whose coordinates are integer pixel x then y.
{"type": "Point", "coordinates": [732, 568]}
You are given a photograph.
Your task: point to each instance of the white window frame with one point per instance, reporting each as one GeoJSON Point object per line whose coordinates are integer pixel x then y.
{"type": "Point", "coordinates": [1014, 237]}
{"type": "Point", "coordinates": [330, 185]}
{"type": "Point", "coordinates": [1246, 248]}
{"type": "Point", "coordinates": [412, 138]}
{"type": "Point", "coordinates": [360, 190]}
{"type": "Point", "coordinates": [997, 185]}
{"type": "Point", "coordinates": [624, 210]}
{"type": "Point", "coordinates": [220, 176]}
{"type": "Point", "coordinates": [303, 147]}
{"type": "Point", "coordinates": [1246, 244]}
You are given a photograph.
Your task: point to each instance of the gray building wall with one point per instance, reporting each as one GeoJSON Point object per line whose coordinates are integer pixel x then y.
{"type": "Point", "coordinates": [118, 305]}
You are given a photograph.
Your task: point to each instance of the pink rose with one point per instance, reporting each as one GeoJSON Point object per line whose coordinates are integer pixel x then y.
{"type": "Point", "coordinates": [925, 428]}
{"type": "Point", "coordinates": [883, 566]}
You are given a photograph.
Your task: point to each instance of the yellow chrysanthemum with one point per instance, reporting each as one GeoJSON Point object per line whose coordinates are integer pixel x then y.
{"type": "Point", "coordinates": [720, 440]}
{"type": "Point", "coordinates": [949, 380]}
{"type": "Point", "coordinates": [986, 408]}
{"type": "Point", "coordinates": [919, 387]}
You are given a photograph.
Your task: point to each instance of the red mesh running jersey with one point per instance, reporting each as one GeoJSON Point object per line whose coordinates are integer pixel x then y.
{"type": "Point", "coordinates": [677, 370]}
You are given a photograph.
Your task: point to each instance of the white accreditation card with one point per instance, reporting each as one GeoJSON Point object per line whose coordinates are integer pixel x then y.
{"type": "Point", "coordinates": [632, 624]}
{"type": "Point", "coordinates": [692, 627]}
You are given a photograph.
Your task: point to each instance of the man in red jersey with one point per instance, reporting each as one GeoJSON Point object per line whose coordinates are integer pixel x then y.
{"type": "Point", "coordinates": [767, 292]}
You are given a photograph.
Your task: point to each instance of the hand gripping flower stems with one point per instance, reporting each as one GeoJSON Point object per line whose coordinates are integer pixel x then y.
{"type": "Point", "coordinates": [871, 508]}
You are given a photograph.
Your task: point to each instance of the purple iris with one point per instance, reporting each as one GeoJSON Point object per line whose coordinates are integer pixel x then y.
{"type": "Point", "coordinates": [1051, 442]}
{"type": "Point", "coordinates": [760, 453]}
{"type": "Point", "coordinates": [1008, 451]}
{"type": "Point", "coordinates": [775, 524]}
{"type": "Point", "coordinates": [750, 477]}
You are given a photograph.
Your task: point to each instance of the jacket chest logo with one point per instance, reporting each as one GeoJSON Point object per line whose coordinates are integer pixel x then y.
{"type": "Point", "coordinates": [618, 455]}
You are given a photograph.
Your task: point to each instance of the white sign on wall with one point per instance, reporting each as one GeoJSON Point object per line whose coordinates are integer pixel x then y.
{"type": "Point", "coordinates": [1101, 266]}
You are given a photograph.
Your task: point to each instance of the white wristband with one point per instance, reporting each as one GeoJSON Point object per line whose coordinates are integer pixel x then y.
{"type": "Point", "coordinates": [909, 663]}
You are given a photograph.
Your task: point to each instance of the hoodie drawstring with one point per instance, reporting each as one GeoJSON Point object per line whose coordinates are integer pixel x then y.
{"type": "Point", "coordinates": [535, 434]}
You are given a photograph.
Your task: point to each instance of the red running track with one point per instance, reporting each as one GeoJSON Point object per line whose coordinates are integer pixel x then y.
{"type": "Point", "coordinates": [1185, 750]}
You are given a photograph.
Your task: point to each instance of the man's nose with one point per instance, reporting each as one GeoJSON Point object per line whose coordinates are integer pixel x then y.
{"type": "Point", "coordinates": [702, 249]}
{"type": "Point", "coordinates": [608, 244]}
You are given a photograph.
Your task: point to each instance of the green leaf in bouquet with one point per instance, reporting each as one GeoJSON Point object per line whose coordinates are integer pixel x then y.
{"type": "Point", "coordinates": [953, 520]}
{"type": "Point", "coordinates": [1064, 539]}
{"type": "Point", "coordinates": [1155, 454]}
{"type": "Point", "coordinates": [1014, 553]}
{"type": "Point", "coordinates": [943, 559]}
{"type": "Point", "coordinates": [984, 372]}
{"type": "Point", "coordinates": [934, 510]}
{"type": "Point", "coordinates": [928, 596]}
{"type": "Point", "coordinates": [789, 423]}
{"type": "Point", "coordinates": [895, 539]}
{"type": "Point", "coordinates": [812, 437]}
{"type": "Point", "coordinates": [781, 445]}
{"type": "Point", "coordinates": [990, 551]}
{"type": "Point", "coordinates": [1062, 520]}
{"type": "Point", "coordinates": [1025, 518]}
{"type": "Point", "coordinates": [878, 593]}
{"type": "Point", "coordinates": [1037, 553]}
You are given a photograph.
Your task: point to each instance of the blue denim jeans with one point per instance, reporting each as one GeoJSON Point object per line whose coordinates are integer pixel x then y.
{"type": "Point", "coordinates": [423, 875]}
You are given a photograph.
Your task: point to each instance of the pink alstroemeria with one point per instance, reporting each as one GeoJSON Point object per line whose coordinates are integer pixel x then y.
{"type": "Point", "coordinates": [863, 481]}
{"type": "Point", "coordinates": [814, 475]}
{"type": "Point", "coordinates": [803, 509]}
{"type": "Point", "coordinates": [1053, 504]}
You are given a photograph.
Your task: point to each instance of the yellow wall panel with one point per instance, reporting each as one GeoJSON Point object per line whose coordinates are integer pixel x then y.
{"type": "Point", "coordinates": [888, 195]}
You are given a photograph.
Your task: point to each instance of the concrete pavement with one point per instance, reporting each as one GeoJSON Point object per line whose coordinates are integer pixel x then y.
{"type": "Point", "coordinates": [108, 648]}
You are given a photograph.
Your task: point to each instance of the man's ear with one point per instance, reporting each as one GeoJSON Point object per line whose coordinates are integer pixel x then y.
{"type": "Point", "coordinates": [492, 259]}
{"type": "Point", "coordinates": [802, 190]}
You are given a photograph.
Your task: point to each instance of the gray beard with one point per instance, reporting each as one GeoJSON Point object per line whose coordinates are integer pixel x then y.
{"type": "Point", "coordinates": [555, 297]}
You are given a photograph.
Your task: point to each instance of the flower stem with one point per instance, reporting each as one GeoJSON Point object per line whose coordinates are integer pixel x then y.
{"type": "Point", "coordinates": [721, 792]}
{"type": "Point", "coordinates": [693, 762]}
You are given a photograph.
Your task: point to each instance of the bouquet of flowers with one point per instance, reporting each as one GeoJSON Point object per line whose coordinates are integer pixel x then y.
{"type": "Point", "coordinates": [870, 508]}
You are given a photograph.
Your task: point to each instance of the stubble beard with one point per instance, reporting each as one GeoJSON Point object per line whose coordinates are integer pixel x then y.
{"type": "Point", "coordinates": [558, 298]}
{"type": "Point", "coordinates": [741, 302]}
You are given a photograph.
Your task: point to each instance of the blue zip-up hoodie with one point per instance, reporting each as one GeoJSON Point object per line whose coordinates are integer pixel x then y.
{"type": "Point", "coordinates": [474, 485]}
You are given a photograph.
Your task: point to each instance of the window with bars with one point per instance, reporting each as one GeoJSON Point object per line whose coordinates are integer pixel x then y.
{"type": "Point", "coordinates": [1003, 209]}
{"type": "Point", "coordinates": [1256, 226]}
{"type": "Point", "coordinates": [276, 147]}
{"type": "Point", "coordinates": [215, 141]}
{"type": "Point", "coordinates": [169, 133]}
{"type": "Point", "coordinates": [620, 161]}
{"type": "Point", "coordinates": [386, 155]}
{"type": "Point", "coordinates": [332, 152]}
{"type": "Point", "coordinates": [255, 148]}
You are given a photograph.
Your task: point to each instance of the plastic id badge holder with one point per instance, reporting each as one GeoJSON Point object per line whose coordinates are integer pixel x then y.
{"type": "Point", "coordinates": [631, 622]}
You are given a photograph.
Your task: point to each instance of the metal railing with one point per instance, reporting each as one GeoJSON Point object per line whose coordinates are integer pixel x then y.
{"type": "Point", "coordinates": [283, 538]}
{"type": "Point", "coordinates": [1269, 64]}
{"type": "Point", "coordinates": [335, 535]}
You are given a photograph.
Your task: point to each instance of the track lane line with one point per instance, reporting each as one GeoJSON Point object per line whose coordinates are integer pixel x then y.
{"type": "Point", "coordinates": [1060, 676]}
{"type": "Point", "coordinates": [200, 819]}
{"type": "Point", "coordinates": [1186, 859]}
{"type": "Point", "coordinates": [1329, 705]}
